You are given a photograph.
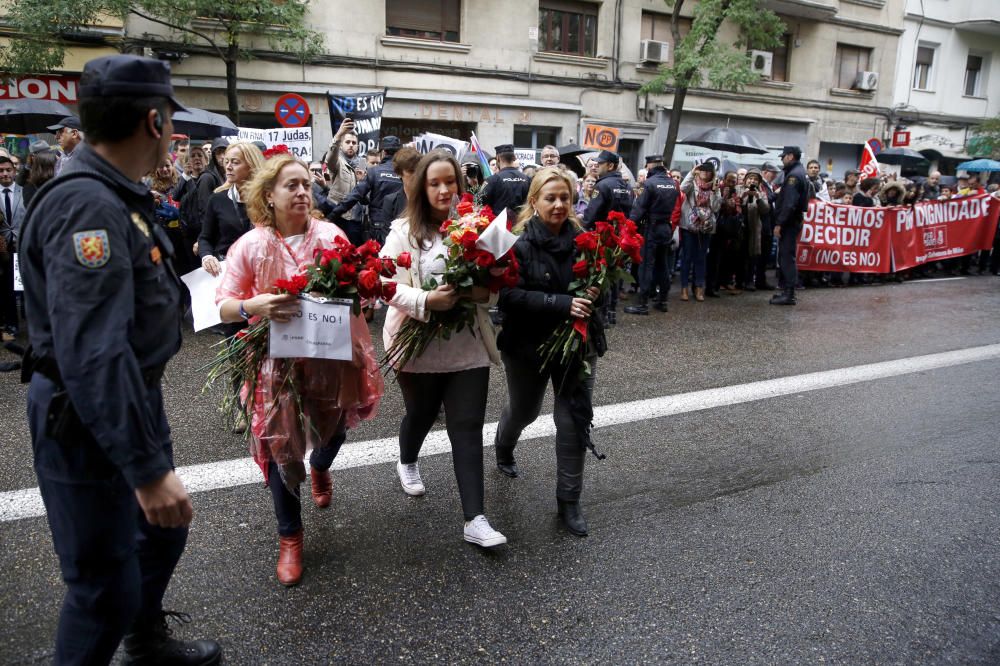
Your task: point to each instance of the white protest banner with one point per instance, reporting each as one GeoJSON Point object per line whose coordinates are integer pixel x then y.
{"type": "Point", "coordinates": [202, 286]}
{"type": "Point", "coordinates": [298, 139]}
{"type": "Point", "coordinates": [526, 156]}
{"type": "Point", "coordinates": [322, 329]}
{"type": "Point", "coordinates": [429, 141]}
{"type": "Point", "coordinates": [18, 285]}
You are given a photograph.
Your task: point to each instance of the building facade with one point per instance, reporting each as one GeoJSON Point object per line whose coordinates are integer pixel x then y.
{"type": "Point", "coordinates": [532, 72]}
{"type": "Point", "coordinates": [949, 76]}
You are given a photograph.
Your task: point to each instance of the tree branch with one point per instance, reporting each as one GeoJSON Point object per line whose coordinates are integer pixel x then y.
{"type": "Point", "coordinates": [191, 31]}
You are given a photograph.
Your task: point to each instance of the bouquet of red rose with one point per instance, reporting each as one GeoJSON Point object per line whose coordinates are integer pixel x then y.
{"type": "Point", "coordinates": [467, 265]}
{"type": "Point", "coordinates": [601, 263]}
{"type": "Point", "coordinates": [344, 271]}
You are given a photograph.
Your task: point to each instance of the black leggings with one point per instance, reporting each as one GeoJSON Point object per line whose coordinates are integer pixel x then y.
{"type": "Point", "coordinates": [464, 397]}
{"type": "Point", "coordinates": [287, 506]}
{"type": "Point", "coordinates": [526, 390]}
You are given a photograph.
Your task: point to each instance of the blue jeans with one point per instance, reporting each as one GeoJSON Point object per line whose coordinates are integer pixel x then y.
{"type": "Point", "coordinates": [694, 250]}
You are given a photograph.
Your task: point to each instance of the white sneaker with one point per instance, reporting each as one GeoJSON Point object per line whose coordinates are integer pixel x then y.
{"type": "Point", "coordinates": [479, 532]}
{"type": "Point", "coordinates": [409, 478]}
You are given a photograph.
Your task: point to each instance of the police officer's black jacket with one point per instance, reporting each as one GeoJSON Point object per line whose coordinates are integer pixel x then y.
{"type": "Point", "coordinates": [541, 301]}
{"type": "Point", "coordinates": [658, 199]}
{"type": "Point", "coordinates": [611, 193]}
{"type": "Point", "coordinates": [380, 182]}
{"type": "Point", "coordinates": [224, 222]}
{"type": "Point", "coordinates": [793, 197]}
{"type": "Point", "coordinates": [103, 303]}
{"type": "Point", "coordinates": [507, 188]}
{"type": "Point", "coordinates": [394, 205]}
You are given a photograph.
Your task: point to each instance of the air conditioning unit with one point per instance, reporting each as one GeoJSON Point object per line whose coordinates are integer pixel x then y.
{"type": "Point", "coordinates": [866, 81]}
{"type": "Point", "coordinates": [651, 50]}
{"type": "Point", "coordinates": [760, 62]}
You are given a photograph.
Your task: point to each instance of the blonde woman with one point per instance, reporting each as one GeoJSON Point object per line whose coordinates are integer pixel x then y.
{"type": "Point", "coordinates": [332, 395]}
{"type": "Point", "coordinates": [226, 216]}
{"type": "Point", "coordinates": [546, 252]}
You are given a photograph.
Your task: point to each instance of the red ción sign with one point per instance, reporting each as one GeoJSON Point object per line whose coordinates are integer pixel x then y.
{"type": "Point", "coordinates": [59, 88]}
{"type": "Point", "coordinates": [291, 110]}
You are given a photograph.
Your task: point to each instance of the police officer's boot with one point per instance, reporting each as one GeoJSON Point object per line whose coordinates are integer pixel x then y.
{"type": "Point", "coordinates": [152, 644]}
{"type": "Point", "coordinates": [661, 303]}
{"type": "Point", "coordinates": [505, 458]}
{"type": "Point", "coordinates": [640, 308]}
{"type": "Point", "coordinates": [786, 297]}
{"type": "Point", "coordinates": [572, 517]}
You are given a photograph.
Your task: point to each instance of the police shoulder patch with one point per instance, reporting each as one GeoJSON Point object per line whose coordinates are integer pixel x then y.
{"type": "Point", "coordinates": [92, 248]}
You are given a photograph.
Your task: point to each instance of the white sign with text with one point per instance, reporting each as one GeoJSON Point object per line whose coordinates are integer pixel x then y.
{"type": "Point", "coordinates": [298, 139]}
{"type": "Point", "coordinates": [321, 329]}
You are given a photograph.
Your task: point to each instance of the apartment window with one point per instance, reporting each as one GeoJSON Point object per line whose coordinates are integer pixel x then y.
{"type": "Point", "coordinates": [973, 74]}
{"type": "Point", "coordinates": [568, 27]}
{"type": "Point", "coordinates": [922, 68]}
{"type": "Point", "coordinates": [779, 59]}
{"type": "Point", "coordinates": [850, 61]}
{"type": "Point", "coordinates": [526, 136]}
{"type": "Point", "coordinates": [423, 19]}
{"type": "Point", "coordinates": [657, 26]}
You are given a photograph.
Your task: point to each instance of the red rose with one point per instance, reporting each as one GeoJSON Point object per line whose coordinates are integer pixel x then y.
{"type": "Point", "coordinates": [464, 207]}
{"type": "Point", "coordinates": [373, 264]}
{"type": "Point", "coordinates": [488, 213]}
{"type": "Point", "coordinates": [616, 217]}
{"type": "Point", "coordinates": [388, 291]}
{"type": "Point", "coordinates": [369, 248]}
{"type": "Point", "coordinates": [347, 272]}
{"type": "Point", "coordinates": [587, 241]}
{"type": "Point", "coordinates": [468, 197]}
{"type": "Point", "coordinates": [293, 286]}
{"type": "Point", "coordinates": [469, 239]}
{"type": "Point", "coordinates": [368, 282]}
{"type": "Point", "coordinates": [388, 267]}
{"type": "Point", "coordinates": [405, 260]}
{"type": "Point", "coordinates": [632, 245]}
{"type": "Point", "coordinates": [581, 269]}
{"type": "Point", "coordinates": [485, 259]}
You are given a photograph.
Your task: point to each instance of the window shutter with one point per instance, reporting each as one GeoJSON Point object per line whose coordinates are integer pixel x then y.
{"type": "Point", "coordinates": [423, 15]}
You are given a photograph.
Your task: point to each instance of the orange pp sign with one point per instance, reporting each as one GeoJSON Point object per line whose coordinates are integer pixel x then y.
{"type": "Point", "coordinates": [599, 137]}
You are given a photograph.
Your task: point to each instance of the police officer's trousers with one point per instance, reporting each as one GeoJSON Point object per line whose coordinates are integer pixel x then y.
{"type": "Point", "coordinates": [786, 255]}
{"type": "Point", "coordinates": [526, 391]}
{"type": "Point", "coordinates": [115, 564]}
{"type": "Point", "coordinates": [657, 262]}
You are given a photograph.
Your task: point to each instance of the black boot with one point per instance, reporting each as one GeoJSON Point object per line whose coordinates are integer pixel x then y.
{"type": "Point", "coordinates": [786, 297]}
{"type": "Point", "coordinates": [640, 308]}
{"type": "Point", "coordinates": [153, 645]}
{"type": "Point", "coordinates": [506, 462]}
{"type": "Point", "coordinates": [661, 304]}
{"type": "Point", "coordinates": [571, 516]}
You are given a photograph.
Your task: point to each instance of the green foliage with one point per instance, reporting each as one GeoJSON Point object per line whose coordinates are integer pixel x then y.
{"type": "Point", "coordinates": [701, 54]}
{"type": "Point", "coordinates": [985, 139]}
{"type": "Point", "coordinates": [47, 27]}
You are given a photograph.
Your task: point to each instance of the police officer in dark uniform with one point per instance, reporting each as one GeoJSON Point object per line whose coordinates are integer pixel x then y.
{"type": "Point", "coordinates": [372, 190]}
{"type": "Point", "coordinates": [652, 212]}
{"type": "Point", "coordinates": [792, 202]}
{"type": "Point", "coordinates": [104, 317]}
{"type": "Point", "coordinates": [508, 187]}
{"type": "Point", "coordinates": [611, 193]}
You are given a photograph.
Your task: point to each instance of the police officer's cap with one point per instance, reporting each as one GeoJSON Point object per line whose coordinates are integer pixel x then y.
{"type": "Point", "coordinates": [654, 159]}
{"type": "Point", "coordinates": [127, 76]}
{"type": "Point", "coordinates": [792, 150]}
{"type": "Point", "coordinates": [71, 122]}
{"type": "Point", "coordinates": [391, 144]}
{"type": "Point", "coordinates": [503, 148]}
{"type": "Point", "coordinates": [607, 157]}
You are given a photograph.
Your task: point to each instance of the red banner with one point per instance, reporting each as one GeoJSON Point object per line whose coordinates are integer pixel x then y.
{"type": "Point", "coordinates": [937, 230]}
{"type": "Point", "coordinates": [838, 238]}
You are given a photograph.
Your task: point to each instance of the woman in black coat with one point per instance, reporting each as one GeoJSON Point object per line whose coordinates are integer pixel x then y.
{"type": "Point", "coordinates": [546, 252]}
{"type": "Point", "coordinates": [225, 218]}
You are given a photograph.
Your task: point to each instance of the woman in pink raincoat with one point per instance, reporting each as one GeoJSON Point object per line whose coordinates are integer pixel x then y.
{"type": "Point", "coordinates": [332, 395]}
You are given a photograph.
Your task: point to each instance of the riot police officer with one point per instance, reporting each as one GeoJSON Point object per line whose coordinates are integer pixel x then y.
{"type": "Point", "coordinates": [792, 202]}
{"type": "Point", "coordinates": [652, 212]}
{"type": "Point", "coordinates": [611, 193]}
{"type": "Point", "coordinates": [372, 190]}
{"type": "Point", "coordinates": [102, 302]}
{"type": "Point", "coordinates": [508, 187]}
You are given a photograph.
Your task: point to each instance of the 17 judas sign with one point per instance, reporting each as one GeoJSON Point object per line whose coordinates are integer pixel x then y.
{"type": "Point", "coordinates": [58, 88]}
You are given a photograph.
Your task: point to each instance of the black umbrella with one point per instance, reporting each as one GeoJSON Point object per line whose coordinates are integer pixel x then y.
{"type": "Point", "coordinates": [203, 124]}
{"type": "Point", "coordinates": [30, 116]}
{"type": "Point", "coordinates": [728, 139]}
{"type": "Point", "coordinates": [902, 157]}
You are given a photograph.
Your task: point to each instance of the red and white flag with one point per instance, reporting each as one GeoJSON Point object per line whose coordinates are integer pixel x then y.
{"type": "Point", "coordinates": [869, 165]}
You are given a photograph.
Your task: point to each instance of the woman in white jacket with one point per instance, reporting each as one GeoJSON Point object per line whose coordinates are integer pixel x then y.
{"type": "Point", "coordinates": [453, 372]}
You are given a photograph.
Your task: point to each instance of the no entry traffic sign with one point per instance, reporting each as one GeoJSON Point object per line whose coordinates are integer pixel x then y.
{"type": "Point", "coordinates": [291, 110]}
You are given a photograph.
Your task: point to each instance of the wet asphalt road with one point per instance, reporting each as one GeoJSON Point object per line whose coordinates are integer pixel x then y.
{"type": "Point", "coordinates": [856, 524]}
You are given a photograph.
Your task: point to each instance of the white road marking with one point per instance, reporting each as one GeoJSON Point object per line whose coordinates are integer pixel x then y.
{"type": "Point", "coordinates": [926, 280]}
{"type": "Point", "coordinates": [27, 503]}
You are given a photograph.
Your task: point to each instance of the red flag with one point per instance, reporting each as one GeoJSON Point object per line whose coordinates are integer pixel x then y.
{"type": "Point", "coordinates": [869, 165]}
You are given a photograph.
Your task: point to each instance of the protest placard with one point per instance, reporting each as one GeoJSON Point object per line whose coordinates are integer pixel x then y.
{"type": "Point", "coordinates": [321, 329]}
